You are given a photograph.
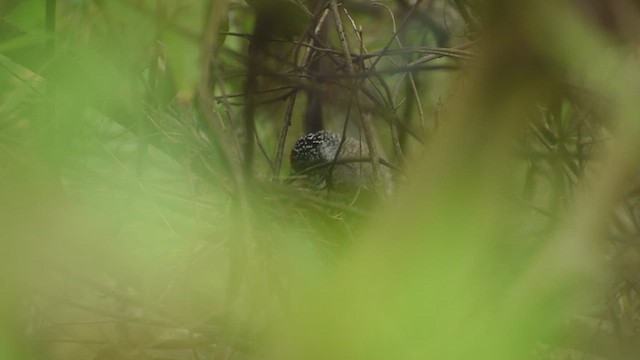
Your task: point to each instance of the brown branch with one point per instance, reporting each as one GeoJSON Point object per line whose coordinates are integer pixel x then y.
{"type": "Point", "coordinates": [241, 247]}
{"type": "Point", "coordinates": [395, 34]}
{"type": "Point", "coordinates": [263, 151]}
{"type": "Point", "coordinates": [456, 51]}
{"type": "Point", "coordinates": [365, 121]}
{"type": "Point", "coordinates": [347, 160]}
{"type": "Point", "coordinates": [466, 15]}
{"type": "Point", "coordinates": [292, 99]}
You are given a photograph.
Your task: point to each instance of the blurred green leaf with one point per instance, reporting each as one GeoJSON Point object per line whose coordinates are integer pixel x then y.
{"type": "Point", "coordinates": [124, 233]}
{"type": "Point", "coordinates": [184, 53]}
{"type": "Point", "coordinates": [28, 15]}
{"type": "Point", "coordinates": [24, 41]}
{"type": "Point", "coordinates": [183, 59]}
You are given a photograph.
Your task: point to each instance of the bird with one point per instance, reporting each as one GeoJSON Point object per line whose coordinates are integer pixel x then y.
{"type": "Point", "coordinates": [313, 158]}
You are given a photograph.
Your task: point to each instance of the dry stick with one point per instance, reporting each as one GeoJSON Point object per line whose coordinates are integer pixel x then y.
{"type": "Point", "coordinates": [126, 298]}
{"type": "Point", "coordinates": [380, 107]}
{"type": "Point", "coordinates": [119, 316]}
{"type": "Point", "coordinates": [395, 139]}
{"type": "Point", "coordinates": [395, 34]}
{"type": "Point", "coordinates": [397, 70]}
{"type": "Point", "coordinates": [433, 53]}
{"type": "Point", "coordinates": [283, 134]}
{"type": "Point", "coordinates": [390, 102]}
{"type": "Point", "coordinates": [204, 91]}
{"type": "Point", "coordinates": [351, 100]}
{"type": "Point", "coordinates": [310, 198]}
{"type": "Point", "coordinates": [367, 126]}
{"type": "Point", "coordinates": [346, 160]}
{"type": "Point", "coordinates": [224, 100]}
{"type": "Point", "coordinates": [437, 55]}
{"type": "Point", "coordinates": [152, 94]}
{"type": "Point", "coordinates": [278, 98]}
{"type": "Point", "coordinates": [412, 80]}
{"type": "Point", "coordinates": [386, 50]}
{"type": "Point", "coordinates": [289, 111]}
{"type": "Point", "coordinates": [543, 139]}
{"type": "Point", "coordinates": [158, 343]}
{"type": "Point", "coordinates": [390, 116]}
{"type": "Point", "coordinates": [466, 15]}
{"type": "Point", "coordinates": [343, 138]}
{"type": "Point", "coordinates": [238, 248]}
{"type": "Point", "coordinates": [454, 52]}
{"type": "Point", "coordinates": [263, 150]}
{"type": "Point", "coordinates": [414, 88]}
{"type": "Point", "coordinates": [457, 51]}
{"type": "Point", "coordinates": [249, 113]}
{"type": "Point", "coordinates": [223, 97]}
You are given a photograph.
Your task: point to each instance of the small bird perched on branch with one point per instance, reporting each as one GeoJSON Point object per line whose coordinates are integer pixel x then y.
{"type": "Point", "coordinates": [314, 157]}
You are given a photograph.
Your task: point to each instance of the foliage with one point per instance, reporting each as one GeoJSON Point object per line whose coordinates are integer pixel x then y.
{"type": "Point", "coordinates": [147, 212]}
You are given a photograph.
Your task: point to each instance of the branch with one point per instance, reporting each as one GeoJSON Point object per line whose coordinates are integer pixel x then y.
{"type": "Point", "coordinates": [365, 121]}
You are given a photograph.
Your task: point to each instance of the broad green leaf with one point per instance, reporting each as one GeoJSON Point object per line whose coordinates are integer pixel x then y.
{"type": "Point", "coordinates": [28, 15]}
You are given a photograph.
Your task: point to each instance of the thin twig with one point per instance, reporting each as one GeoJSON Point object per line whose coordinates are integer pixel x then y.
{"type": "Point", "coordinates": [395, 139]}
{"type": "Point", "coordinates": [292, 99]}
{"type": "Point", "coordinates": [347, 160]}
{"type": "Point", "coordinates": [222, 97]}
{"type": "Point", "coordinates": [456, 51]}
{"type": "Point", "coordinates": [395, 34]}
{"type": "Point", "coordinates": [466, 15]}
{"type": "Point", "coordinates": [283, 134]}
{"type": "Point", "coordinates": [263, 151]}
{"type": "Point", "coordinates": [367, 126]}
{"type": "Point", "coordinates": [240, 249]}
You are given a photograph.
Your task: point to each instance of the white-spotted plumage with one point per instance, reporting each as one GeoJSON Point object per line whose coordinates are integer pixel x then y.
{"type": "Point", "coordinates": [314, 149]}
{"type": "Point", "coordinates": [313, 156]}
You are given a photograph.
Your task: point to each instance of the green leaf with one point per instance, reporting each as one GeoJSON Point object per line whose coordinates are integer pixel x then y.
{"type": "Point", "coordinates": [183, 53]}
{"type": "Point", "coordinates": [183, 60]}
{"type": "Point", "coordinates": [28, 15]}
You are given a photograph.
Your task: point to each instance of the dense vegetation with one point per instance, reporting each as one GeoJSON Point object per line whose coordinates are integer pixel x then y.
{"type": "Point", "coordinates": [147, 209]}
